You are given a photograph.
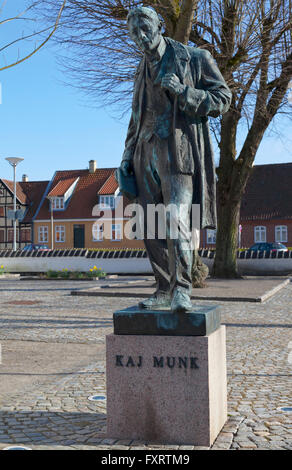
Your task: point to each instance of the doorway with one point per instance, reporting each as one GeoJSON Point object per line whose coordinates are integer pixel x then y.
{"type": "Point", "coordinates": [79, 236]}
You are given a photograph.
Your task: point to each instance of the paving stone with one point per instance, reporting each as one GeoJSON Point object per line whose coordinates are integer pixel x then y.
{"type": "Point", "coordinates": [58, 415]}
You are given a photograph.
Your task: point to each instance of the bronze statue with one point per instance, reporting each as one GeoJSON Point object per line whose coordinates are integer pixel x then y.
{"type": "Point", "coordinates": [168, 146]}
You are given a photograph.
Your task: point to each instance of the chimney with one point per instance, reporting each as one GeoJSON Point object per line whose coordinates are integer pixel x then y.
{"type": "Point", "coordinates": [92, 166]}
{"type": "Point", "coordinates": [24, 178]}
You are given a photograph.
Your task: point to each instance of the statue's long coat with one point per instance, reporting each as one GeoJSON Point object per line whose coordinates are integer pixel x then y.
{"type": "Point", "coordinates": [206, 94]}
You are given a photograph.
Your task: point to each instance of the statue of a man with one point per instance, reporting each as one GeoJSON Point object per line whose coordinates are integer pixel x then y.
{"type": "Point", "coordinates": [168, 146]}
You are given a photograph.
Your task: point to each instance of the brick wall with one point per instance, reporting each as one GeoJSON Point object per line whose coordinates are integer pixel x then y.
{"type": "Point", "coordinates": [248, 229]}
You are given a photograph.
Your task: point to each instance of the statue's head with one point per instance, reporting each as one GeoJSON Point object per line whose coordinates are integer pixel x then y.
{"type": "Point", "coordinates": [144, 28]}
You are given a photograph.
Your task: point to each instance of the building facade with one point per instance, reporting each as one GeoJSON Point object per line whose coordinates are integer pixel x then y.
{"type": "Point", "coordinates": [266, 208]}
{"type": "Point", "coordinates": [83, 209]}
{"type": "Point", "coordinates": [28, 195]}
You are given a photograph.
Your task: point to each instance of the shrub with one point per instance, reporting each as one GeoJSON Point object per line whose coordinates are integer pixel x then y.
{"type": "Point", "coordinates": [96, 272]}
{"type": "Point", "coordinates": [52, 274]}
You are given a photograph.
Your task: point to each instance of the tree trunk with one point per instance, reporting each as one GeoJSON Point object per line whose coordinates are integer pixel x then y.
{"type": "Point", "coordinates": [229, 195]}
{"type": "Point", "coordinates": [225, 265]}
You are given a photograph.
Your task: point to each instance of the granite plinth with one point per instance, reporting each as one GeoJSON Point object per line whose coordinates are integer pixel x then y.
{"type": "Point", "coordinates": [166, 389]}
{"type": "Point", "coordinates": [202, 321]}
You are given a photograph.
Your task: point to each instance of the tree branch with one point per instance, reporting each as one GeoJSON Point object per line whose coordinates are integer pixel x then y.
{"type": "Point", "coordinates": [19, 61]}
{"type": "Point", "coordinates": [281, 87]}
{"type": "Point", "coordinates": [209, 30]}
{"type": "Point", "coordinates": [185, 21]}
{"type": "Point", "coordinates": [23, 38]}
{"type": "Point", "coordinates": [169, 10]}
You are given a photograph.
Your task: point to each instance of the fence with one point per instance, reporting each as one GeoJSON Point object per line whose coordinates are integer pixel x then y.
{"type": "Point", "coordinates": [131, 261]}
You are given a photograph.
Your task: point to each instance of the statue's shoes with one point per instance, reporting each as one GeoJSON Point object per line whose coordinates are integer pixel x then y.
{"type": "Point", "coordinates": [156, 302]}
{"type": "Point", "coordinates": [181, 302]}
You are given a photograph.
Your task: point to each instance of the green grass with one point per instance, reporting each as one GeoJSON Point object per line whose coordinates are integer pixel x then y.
{"type": "Point", "coordinates": [93, 273]}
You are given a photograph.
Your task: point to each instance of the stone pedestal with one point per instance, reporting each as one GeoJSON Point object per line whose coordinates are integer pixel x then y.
{"type": "Point", "coordinates": [166, 389]}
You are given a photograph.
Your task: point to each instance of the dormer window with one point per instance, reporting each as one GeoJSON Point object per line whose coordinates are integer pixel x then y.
{"type": "Point", "coordinates": [107, 201]}
{"type": "Point", "coordinates": [57, 203]}
{"type": "Point", "coordinates": [61, 193]}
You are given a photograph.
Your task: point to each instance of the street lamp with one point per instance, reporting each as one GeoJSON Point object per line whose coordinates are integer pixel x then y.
{"type": "Point", "coordinates": [51, 201]}
{"type": "Point", "coordinates": [14, 162]}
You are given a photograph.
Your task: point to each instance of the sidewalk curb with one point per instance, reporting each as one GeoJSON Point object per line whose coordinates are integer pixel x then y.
{"type": "Point", "coordinates": [101, 292]}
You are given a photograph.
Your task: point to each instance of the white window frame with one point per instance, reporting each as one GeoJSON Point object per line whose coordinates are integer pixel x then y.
{"type": "Point", "coordinates": [107, 201]}
{"type": "Point", "coordinates": [117, 229]}
{"type": "Point", "coordinates": [58, 203]}
{"type": "Point", "coordinates": [281, 233]}
{"type": "Point", "coordinates": [62, 231]}
{"type": "Point", "coordinates": [43, 234]}
{"type": "Point", "coordinates": [211, 236]}
{"type": "Point", "coordinates": [97, 232]}
{"type": "Point", "coordinates": [260, 234]}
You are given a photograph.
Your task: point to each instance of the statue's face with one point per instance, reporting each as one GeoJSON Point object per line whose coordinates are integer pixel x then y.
{"type": "Point", "coordinates": [145, 32]}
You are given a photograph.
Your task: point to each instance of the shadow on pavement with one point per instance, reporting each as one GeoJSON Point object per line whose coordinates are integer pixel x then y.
{"type": "Point", "coordinates": [53, 428]}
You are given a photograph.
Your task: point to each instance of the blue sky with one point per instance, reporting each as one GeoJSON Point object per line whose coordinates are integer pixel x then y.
{"type": "Point", "coordinates": [52, 127]}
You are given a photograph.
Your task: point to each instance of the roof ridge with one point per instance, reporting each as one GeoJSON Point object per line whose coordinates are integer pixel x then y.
{"type": "Point", "coordinates": [272, 164]}
{"type": "Point", "coordinates": [87, 170]}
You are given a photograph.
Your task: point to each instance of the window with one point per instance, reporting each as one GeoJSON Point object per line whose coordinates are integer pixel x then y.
{"type": "Point", "coordinates": [58, 203]}
{"type": "Point", "coordinates": [281, 233]}
{"type": "Point", "coordinates": [211, 237]}
{"type": "Point", "coordinates": [260, 234]}
{"type": "Point", "coordinates": [60, 233]}
{"type": "Point", "coordinates": [97, 232]}
{"type": "Point", "coordinates": [1, 211]}
{"type": "Point", "coordinates": [2, 236]}
{"type": "Point", "coordinates": [116, 232]}
{"type": "Point", "coordinates": [43, 234]}
{"type": "Point", "coordinates": [25, 235]}
{"type": "Point", "coordinates": [107, 201]}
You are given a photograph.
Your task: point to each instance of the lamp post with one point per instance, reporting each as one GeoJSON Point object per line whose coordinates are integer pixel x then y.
{"type": "Point", "coordinates": [51, 201]}
{"type": "Point", "coordinates": [14, 162]}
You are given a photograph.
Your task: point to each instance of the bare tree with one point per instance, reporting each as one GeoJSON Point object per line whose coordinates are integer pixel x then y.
{"type": "Point", "coordinates": [24, 16]}
{"type": "Point", "coordinates": [251, 42]}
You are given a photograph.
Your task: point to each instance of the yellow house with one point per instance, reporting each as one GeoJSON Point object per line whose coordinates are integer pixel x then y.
{"type": "Point", "coordinates": [83, 209]}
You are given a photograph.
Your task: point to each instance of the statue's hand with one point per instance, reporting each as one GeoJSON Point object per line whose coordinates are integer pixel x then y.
{"type": "Point", "coordinates": [171, 82]}
{"type": "Point", "coordinates": [126, 167]}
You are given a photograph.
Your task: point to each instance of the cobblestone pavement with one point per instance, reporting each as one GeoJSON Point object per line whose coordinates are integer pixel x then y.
{"type": "Point", "coordinates": [58, 415]}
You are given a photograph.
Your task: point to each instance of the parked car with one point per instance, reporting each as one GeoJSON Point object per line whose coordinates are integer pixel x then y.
{"type": "Point", "coordinates": [276, 246]}
{"type": "Point", "coordinates": [32, 246]}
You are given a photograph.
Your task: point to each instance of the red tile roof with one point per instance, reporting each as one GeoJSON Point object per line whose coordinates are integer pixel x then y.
{"type": "Point", "coordinates": [109, 187]}
{"type": "Point", "coordinates": [62, 187]}
{"type": "Point", "coordinates": [84, 197]}
{"type": "Point", "coordinates": [268, 193]}
{"type": "Point", "coordinates": [20, 195]}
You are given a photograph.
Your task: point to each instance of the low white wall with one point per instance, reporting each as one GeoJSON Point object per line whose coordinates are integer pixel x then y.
{"type": "Point", "coordinates": [260, 266]}
{"type": "Point", "coordinates": [133, 265]}
{"type": "Point", "coordinates": [110, 266]}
